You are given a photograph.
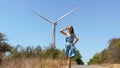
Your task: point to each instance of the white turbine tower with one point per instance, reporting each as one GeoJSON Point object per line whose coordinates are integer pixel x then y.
{"type": "Point", "coordinates": [54, 23]}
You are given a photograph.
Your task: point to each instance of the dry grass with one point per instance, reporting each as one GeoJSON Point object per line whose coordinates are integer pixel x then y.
{"type": "Point", "coordinates": [33, 63]}
{"type": "Point", "coordinates": [111, 65]}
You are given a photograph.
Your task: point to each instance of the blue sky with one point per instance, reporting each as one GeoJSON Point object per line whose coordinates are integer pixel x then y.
{"type": "Point", "coordinates": [95, 23]}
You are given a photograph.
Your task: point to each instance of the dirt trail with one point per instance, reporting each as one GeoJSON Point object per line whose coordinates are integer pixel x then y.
{"type": "Point", "coordinates": [85, 66]}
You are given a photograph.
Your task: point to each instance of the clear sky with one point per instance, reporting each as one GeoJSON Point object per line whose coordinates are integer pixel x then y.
{"type": "Point", "coordinates": [95, 23]}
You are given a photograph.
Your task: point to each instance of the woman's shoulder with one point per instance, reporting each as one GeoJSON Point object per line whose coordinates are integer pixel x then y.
{"type": "Point", "coordinates": [69, 34]}
{"type": "Point", "coordinates": [72, 33]}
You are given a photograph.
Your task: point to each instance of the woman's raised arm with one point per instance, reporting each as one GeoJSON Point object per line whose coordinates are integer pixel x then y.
{"type": "Point", "coordinates": [62, 31]}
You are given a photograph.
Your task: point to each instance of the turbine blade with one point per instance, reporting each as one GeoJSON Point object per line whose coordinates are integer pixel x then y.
{"type": "Point", "coordinates": [66, 14]}
{"type": "Point", "coordinates": [42, 17]}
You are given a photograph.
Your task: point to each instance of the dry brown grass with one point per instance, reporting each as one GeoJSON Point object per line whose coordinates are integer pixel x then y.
{"type": "Point", "coordinates": [33, 63]}
{"type": "Point", "coordinates": [116, 65]}
{"type": "Point", "coordinates": [111, 65]}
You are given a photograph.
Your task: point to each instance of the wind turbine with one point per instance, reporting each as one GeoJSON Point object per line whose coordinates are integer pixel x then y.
{"type": "Point", "coordinates": [54, 23]}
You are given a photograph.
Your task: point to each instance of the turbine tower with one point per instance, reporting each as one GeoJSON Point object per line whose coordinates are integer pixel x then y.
{"type": "Point", "coordinates": [54, 24]}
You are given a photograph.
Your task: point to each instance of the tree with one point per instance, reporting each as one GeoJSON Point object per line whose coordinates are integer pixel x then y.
{"type": "Point", "coordinates": [51, 52]}
{"type": "Point", "coordinates": [96, 59]}
{"type": "Point", "coordinates": [108, 55]}
{"type": "Point", "coordinates": [78, 57]}
{"type": "Point", "coordinates": [114, 50]}
{"type": "Point", "coordinates": [104, 56]}
{"type": "Point", "coordinates": [4, 46]}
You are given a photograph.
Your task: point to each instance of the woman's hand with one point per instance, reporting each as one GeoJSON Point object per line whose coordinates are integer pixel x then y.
{"type": "Point", "coordinates": [62, 31]}
{"type": "Point", "coordinates": [66, 28]}
{"type": "Point", "coordinates": [73, 44]}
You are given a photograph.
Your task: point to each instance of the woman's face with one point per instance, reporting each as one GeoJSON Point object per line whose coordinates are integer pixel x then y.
{"type": "Point", "coordinates": [70, 28]}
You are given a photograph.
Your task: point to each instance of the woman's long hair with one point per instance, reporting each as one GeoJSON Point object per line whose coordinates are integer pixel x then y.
{"type": "Point", "coordinates": [72, 29]}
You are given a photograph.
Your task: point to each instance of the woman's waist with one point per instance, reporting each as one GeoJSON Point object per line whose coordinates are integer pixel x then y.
{"type": "Point", "coordinates": [69, 43]}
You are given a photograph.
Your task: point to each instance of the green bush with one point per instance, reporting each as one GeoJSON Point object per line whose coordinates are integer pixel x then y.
{"type": "Point", "coordinates": [33, 52]}
{"type": "Point", "coordinates": [77, 58]}
{"type": "Point", "coordinates": [108, 55]}
{"type": "Point", "coordinates": [4, 46]}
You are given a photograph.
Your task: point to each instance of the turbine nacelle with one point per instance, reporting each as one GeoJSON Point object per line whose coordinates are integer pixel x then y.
{"type": "Point", "coordinates": [55, 24]}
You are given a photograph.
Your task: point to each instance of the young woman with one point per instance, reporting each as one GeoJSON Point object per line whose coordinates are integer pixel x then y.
{"type": "Point", "coordinates": [70, 43]}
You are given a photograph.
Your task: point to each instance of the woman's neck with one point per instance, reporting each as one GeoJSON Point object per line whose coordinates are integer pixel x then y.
{"type": "Point", "coordinates": [69, 32]}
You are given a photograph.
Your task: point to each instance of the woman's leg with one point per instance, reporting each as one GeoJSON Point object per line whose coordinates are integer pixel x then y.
{"type": "Point", "coordinates": [68, 62]}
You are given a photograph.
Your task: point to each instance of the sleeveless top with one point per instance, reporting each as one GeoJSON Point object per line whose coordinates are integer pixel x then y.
{"type": "Point", "coordinates": [69, 38]}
